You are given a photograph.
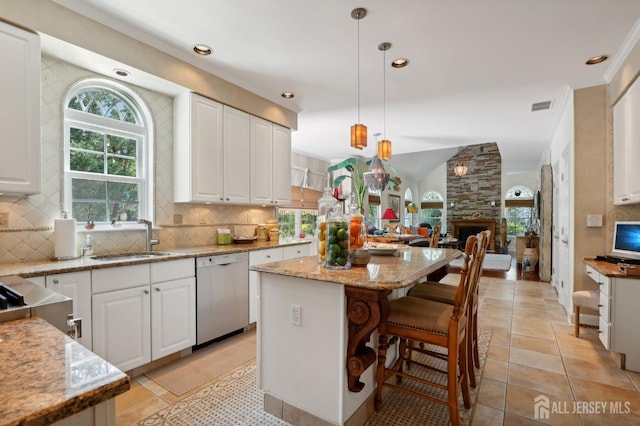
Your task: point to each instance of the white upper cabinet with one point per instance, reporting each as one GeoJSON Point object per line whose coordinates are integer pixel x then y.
{"type": "Point", "coordinates": [19, 111]}
{"type": "Point", "coordinates": [270, 163]}
{"type": "Point", "coordinates": [211, 152]}
{"type": "Point", "coordinates": [197, 149]}
{"type": "Point", "coordinates": [237, 141]}
{"type": "Point", "coordinates": [626, 147]}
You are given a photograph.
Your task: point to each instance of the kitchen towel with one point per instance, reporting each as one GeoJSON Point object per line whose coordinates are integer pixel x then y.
{"type": "Point", "coordinates": [65, 238]}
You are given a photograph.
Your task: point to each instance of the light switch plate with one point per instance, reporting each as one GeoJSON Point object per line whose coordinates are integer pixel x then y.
{"type": "Point", "coordinates": [594, 221]}
{"type": "Point", "coordinates": [4, 220]}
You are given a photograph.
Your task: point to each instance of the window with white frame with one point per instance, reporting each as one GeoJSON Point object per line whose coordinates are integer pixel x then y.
{"type": "Point", "coordinates": [107, 150]}
{"type": "Point", "coordinates": [374, 211]}
{"type": "Point", "coordinates": [518, 209]}
{"type": "Point", "coordinates": [431, 206]}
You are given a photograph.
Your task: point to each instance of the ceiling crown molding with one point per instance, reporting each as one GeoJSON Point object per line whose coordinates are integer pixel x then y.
{"type": "Point", "coordinates": [623, 52]}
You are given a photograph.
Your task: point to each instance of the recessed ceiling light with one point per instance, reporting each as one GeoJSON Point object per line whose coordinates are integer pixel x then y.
{"type": "Point", "coordinates": [202, 49]}
{"type": "Point", "coordinates": [287, 95]}
{"type": "Point", "coordinates": [597, 59]}
{"type": "Point", "coordinates": [400, 63]}
{"type": "Point", "coordinates": [122, 73]}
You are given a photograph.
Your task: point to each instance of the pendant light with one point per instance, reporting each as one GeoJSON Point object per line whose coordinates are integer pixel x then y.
{"type": "Point", "coordinates": [376, 178]}
{"type": "Point", "coordinates": [358, 130]}
{"type": "Point", "coordinates": [384, 146]}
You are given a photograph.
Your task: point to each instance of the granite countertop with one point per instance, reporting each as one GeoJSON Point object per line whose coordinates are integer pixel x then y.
{"type": "Point", "coordinates": [47, 376]}
{"type": "Point", "coordinates": [382, 273]}
{"type": "Point", "coordinates": [608, 269]}
{"type": "Point", "coordinates": [44, 267]}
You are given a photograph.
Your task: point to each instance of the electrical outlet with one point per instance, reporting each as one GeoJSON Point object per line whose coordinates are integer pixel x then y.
{"type": "Point", "coordinates": [4, 220]}
{"type": "Point", "coordinates": [203, 218]}
{"type": "Point", "coordinates": [296, 315]}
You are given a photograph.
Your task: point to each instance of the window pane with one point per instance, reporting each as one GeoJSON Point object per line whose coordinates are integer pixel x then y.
{"type": "Point", "coordinates": [121, 146]}
{"type": "Point", "coordinates": [104, 104]}
{"type": "Point", "coordinates": [287, 220]}
{"type": "Point", "coordinates": [122, 166]}
{"type": "Point", "coordinates": [88, 200]}
{"type": "Point", "coordinates": [86, 162]}
{"type": "Point", "coordinates": [308, 225]}
{"type": "Point", "coordinates": [86, 139]}
{"type": "Point", "coordinates": [123, 198]}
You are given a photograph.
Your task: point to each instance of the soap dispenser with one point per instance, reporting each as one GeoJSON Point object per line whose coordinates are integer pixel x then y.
{"type": "Point", "coordinates": [87, 249]}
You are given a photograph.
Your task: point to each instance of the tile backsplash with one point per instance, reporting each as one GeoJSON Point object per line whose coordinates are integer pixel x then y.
{"type": "Point", "coordinates": [29, 235]}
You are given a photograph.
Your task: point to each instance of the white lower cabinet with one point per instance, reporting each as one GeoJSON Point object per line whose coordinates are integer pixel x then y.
{"type": "Point", "coordinates": [122, 326]}
{"type": "Point", "coordinates": [258, 257]}
{"type": "Point", "coordinates": [619, 316]}
{"type": "Point", "coordinates": [77, 286]}
{"type": "Point", "coordinates": [173, 316]}
{"type": "Point", "coordinates": [150, 313]}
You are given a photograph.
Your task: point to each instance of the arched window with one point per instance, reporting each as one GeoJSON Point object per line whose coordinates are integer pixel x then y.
{"type": "Point", "coordinates": [107, 154]}
{"type": "Point", "coordinates": [519, 209]}
{"type": "Point", "coordinates": [431, 206]}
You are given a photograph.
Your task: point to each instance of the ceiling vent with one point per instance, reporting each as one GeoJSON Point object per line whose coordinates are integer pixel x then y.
{"type": "Point", "coordinates": [540, 106]}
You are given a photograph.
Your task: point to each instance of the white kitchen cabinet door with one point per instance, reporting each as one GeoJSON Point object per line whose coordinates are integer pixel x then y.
{"type": "Point", "coordinates": [281, 171]}
{"type": "Point", "coordinates": [626, 147]}
{"type": "Point", "coordinates": [198, 149]}
{"type": "Point", "coordinates": [270, 163]}
{"type": "Point", "coordinates": [173, 317]}
{"type": "Point", "coordinates": [77, 286]}
{"type": "Point", "coordinates": [261, 165]}
{"type": "Point", "coordinates": [236, 154]}
{"type": "Point", "coordinates": [20, 111]}
{"type": "Point", "coordinates": [122, 326]}
{"type": "Point", "coordinates": [256, 258]}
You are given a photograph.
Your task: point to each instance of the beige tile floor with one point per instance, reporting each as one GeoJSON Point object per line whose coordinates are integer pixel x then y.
{"type": "Point", "coordinates": [533, 352]}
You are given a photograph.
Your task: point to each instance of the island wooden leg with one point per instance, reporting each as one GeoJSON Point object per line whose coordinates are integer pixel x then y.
{"type": "Point", "coordinates": [366, 308]}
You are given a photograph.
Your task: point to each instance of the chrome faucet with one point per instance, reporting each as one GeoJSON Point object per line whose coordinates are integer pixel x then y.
{"type": "Point", "coordinates": [150, 242]}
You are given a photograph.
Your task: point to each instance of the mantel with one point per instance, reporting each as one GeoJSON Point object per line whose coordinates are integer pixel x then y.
{"type": "Point", "coordinates": [485, 223]}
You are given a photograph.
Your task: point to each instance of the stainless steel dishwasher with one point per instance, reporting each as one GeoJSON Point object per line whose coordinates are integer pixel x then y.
{"type": "Point", "coordinates": [222, 295]}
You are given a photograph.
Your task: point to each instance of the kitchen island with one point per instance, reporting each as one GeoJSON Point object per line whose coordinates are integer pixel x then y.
{"type": "Point", "coordinates": [47, 376]}
{"type": "Point", "coordinates": [316, 357]}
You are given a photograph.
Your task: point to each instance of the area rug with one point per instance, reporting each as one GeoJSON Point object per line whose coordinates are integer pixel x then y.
{"type": "Point", "coordinates": [205, 364]}
{"type": "Point", "coordinates": [236, 400]}
{"type": "Point", "coordinates": [492, 262]}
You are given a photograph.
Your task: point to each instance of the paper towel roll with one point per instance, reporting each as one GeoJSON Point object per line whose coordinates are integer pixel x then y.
{"type": "Point", "coordinates": [65, 238]}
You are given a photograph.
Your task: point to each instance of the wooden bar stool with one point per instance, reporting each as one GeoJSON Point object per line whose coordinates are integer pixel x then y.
{"type": "Point", "coordinates": [412, 319]}
{"type": "Point", "coordinates": [585, 299]}
{"type": "Point", "coordinates": [445, 293]}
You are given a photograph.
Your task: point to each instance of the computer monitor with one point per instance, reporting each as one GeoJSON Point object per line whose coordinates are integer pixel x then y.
{"type": "Point", "coordinates": [626, 240]}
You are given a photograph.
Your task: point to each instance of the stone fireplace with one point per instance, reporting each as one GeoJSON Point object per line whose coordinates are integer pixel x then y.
{"type": "Point", "coordinates": [478, 194]}
{"type": "Point", "coordinates": [463, 228]}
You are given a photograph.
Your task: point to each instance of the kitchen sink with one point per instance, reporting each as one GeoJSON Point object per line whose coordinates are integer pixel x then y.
{"type": "Point", "coordinates": [132, 255]}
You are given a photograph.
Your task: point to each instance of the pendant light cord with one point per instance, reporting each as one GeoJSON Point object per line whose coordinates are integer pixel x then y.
{"type": "Point", "coordinates": [358, 70]}
{"type": "Point", "coordinates": [384, 94]}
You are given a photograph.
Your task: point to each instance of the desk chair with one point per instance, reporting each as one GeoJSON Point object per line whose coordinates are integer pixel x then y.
{"type": "Point", "coordinates": [585, 299]}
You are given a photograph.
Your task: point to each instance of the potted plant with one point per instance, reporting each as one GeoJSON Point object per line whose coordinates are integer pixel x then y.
{"type": "Point", "coordinates": [89, 215]}
{"type": "Point", "coordinates": [352, 165]}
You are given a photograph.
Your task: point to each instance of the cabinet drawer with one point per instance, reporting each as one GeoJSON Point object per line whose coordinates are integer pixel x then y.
{"type": "Point", "coordinates": [291, 252]}
{"type": "Point", "coordinates": [605, 285]}
{"type": "Point", "coordinates": [265, 256]}
{"type": "Point", "coordinates": [592, 273]}
{"type": "Point", "coordinates": [603, 333]}
{"type": "Point", "coordinates": [605, 307]}
{"type": "Point", "coordinates": [172, 270]}
{"type": "Point", "coordinates": [122, 277]}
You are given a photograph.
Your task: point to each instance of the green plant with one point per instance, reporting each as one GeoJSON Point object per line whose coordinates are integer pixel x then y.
{"type": "Point", "coordinates": [352, 165]}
